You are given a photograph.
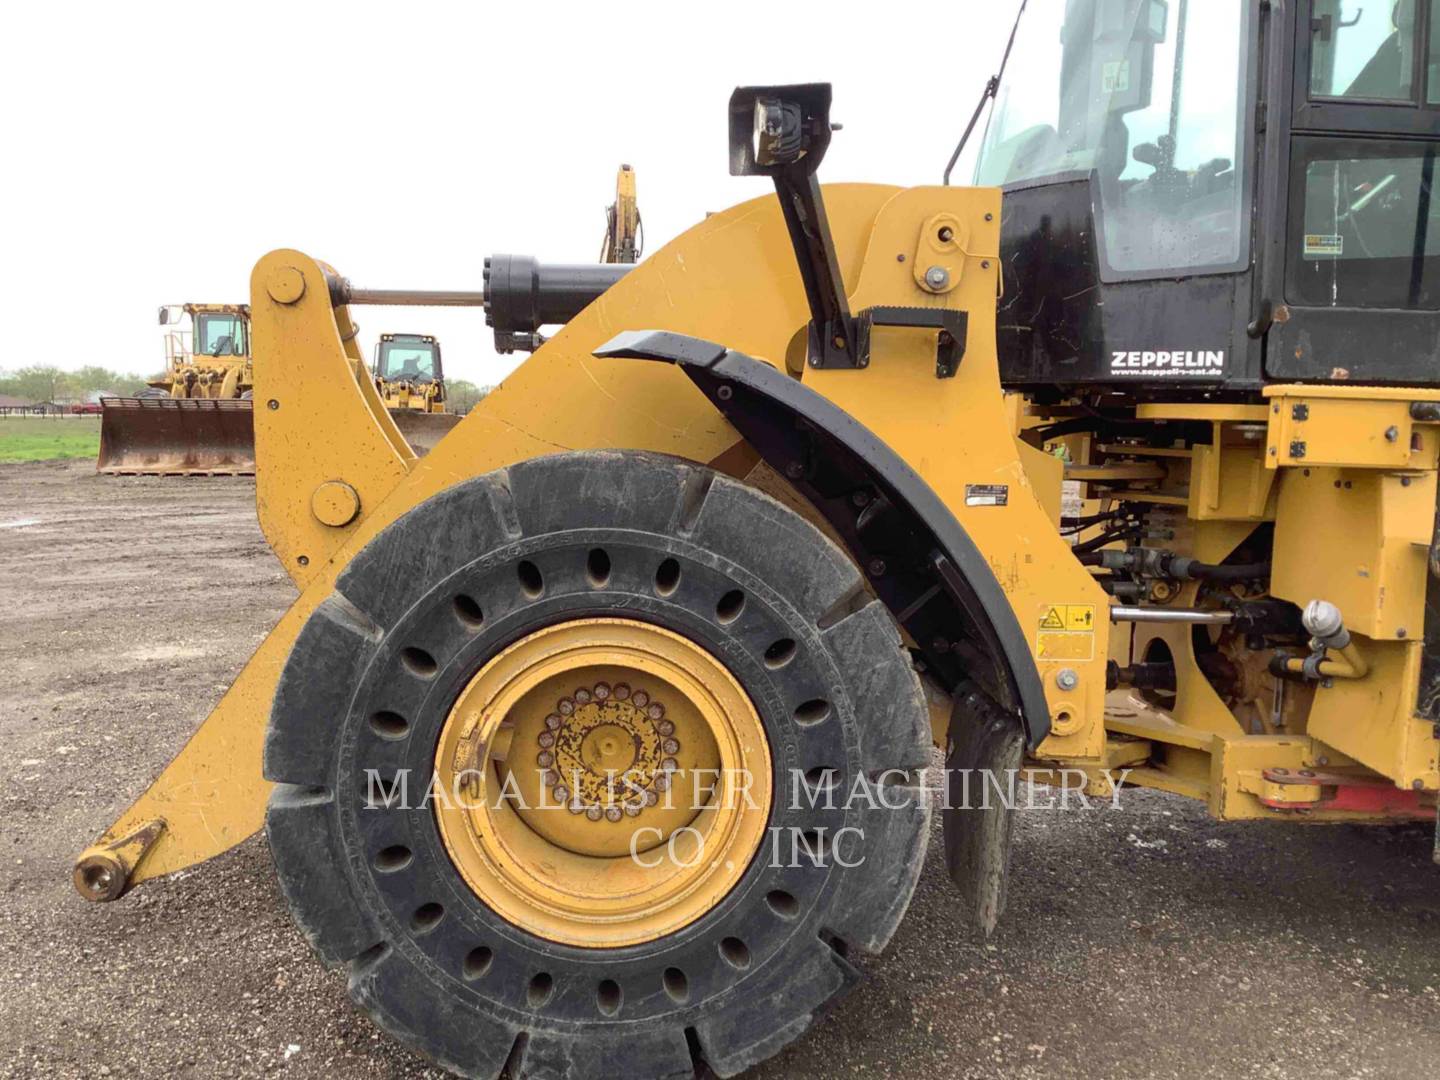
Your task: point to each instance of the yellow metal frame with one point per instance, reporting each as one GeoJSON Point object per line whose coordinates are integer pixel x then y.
{"type": "Point", "coordinates": [1321, 463]}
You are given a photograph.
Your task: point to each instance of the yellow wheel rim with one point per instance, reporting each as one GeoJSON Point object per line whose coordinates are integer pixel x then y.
{"type": "Point", "coordinates": [603, 782]}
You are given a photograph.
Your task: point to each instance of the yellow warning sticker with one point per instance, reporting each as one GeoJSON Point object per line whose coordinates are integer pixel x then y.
{"type": "Point", "coordinates": [1065, 645]}
{"type": "Point", "coordinates": [1067, 632]}
{"type": "Point", "coordinates": [1079, 617]}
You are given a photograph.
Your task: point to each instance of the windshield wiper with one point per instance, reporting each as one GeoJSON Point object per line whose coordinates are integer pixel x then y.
{"type": "Point", "coordinates": [991, 88]}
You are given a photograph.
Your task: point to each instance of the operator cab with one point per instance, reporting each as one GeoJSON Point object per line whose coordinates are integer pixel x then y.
{"type": "Point", "coordinates": [411, 358]}
{"type": "Point", "coordinates": [1213, 193]}
{"type": "Point", "coordinates": [216, 330]}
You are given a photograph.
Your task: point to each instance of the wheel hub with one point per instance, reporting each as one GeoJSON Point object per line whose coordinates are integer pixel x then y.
{"type": "Point", "coordinates": [609, 751]}
{"type": "Point", "coordinates": [615, 782]}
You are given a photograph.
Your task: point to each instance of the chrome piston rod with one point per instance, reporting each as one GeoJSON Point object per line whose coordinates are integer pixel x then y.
{"type": "Point", "coordinates": [350, 294]}
{"type": "Point", "coordinates": [1193, 616]}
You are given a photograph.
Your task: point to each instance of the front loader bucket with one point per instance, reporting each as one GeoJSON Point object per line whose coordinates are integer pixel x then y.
{"type": "Point", "coordinates": [423, 430]}
{"type": "Point", "coordinates": [176, 437]}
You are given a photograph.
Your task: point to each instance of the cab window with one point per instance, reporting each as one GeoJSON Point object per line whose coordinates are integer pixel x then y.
{"type": "Point", "coordinates": [220, 335]}
{"type": "Point", "coordinates": [1369, 232]}
{"type": "Point", "coordinates": [1148, 96]}
{"type": "Point", "coordinates": [1362, 50]}
{"type": "Point", "coordinates": [411, 362]}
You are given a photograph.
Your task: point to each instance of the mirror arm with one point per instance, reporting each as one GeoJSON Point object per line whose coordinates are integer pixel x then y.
{"type": "Point", "coordinates": [832, 340]}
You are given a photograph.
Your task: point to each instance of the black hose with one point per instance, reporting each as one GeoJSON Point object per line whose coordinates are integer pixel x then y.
{"type": "Point", "coordinates": [1070, 525]}
{"type": "Point", "coordinates": [1199, 571]}
{"type": "Point", "coordinates": [1105, 538]}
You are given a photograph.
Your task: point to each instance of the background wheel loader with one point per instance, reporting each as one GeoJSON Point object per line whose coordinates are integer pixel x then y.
{"type": "Point", "coordinates": [410, 379]}
{"type": "Point", "coordinates": [786, 530]}
{"type": "Point", "coordinates": [196, 418]}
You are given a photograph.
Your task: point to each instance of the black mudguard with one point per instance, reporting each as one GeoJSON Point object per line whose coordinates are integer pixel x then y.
{"type": "Point", "coordinates": [917, 557]}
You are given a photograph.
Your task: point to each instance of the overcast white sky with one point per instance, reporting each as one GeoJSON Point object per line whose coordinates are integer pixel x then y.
{"type": "Point", "coordinates": [155, 151]}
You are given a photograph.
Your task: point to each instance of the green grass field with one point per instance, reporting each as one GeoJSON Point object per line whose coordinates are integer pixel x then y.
{"type": "Point", "coordinates": [43, 438]}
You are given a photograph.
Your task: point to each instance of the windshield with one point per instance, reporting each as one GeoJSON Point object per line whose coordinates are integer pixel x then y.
{"type": "Point", "coordinates": [1148, 95]}
{"type": "Point", "coordinates": [410, 361]}
{"type": "Point", "coordinates": [220, 335]}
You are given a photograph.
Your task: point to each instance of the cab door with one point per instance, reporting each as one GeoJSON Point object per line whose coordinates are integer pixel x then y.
{"type": "Point", "coordinates": [1359, 270]}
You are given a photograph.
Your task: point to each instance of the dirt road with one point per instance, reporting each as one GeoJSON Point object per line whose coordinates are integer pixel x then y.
{"type": "Point", "coordinates": [1146, 941]}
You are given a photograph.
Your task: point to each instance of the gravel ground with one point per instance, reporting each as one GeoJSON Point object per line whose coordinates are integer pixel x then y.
{"type": "Point", "coordinates": [1146, 941]}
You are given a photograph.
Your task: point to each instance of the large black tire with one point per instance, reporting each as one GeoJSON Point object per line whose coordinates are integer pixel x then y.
{"type": "Point", "coordinates": [461, 990]}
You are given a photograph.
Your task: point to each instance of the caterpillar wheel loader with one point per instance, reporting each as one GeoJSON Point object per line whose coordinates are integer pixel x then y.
{"type": "Point", "coordinates": [594, 742]}
{"type": "Point", "coordinates": [410, 379]}
{"type": "Point", "coordinates": [196, 418]}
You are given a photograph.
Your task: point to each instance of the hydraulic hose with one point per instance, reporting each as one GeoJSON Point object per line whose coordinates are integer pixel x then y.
{"type": "Point", "coordinates": [1183, 567]}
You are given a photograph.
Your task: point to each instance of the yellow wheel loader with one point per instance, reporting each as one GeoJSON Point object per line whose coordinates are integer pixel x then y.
{"type": "Point", "coordinates": [411, 382]}
{"type": "Point", "coordinates": [195, 419]}
{"type": "Point", "coordinates": [595, 742]}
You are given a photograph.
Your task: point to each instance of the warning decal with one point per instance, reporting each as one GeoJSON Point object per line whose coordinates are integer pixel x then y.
{"type": "Point", "coordinates": [1069, 617]}
{"type": "Point", "coordinates": [1067, 632]}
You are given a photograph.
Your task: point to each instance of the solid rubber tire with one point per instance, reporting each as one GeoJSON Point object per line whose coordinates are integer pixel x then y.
{"type": "Point", "coordinates": [641, 509]}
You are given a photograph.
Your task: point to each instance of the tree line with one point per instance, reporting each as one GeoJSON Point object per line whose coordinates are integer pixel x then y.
{"type": "Point", "coordinates": [461, 395]}
{"type": "Point", "coordinates": [42, 382]}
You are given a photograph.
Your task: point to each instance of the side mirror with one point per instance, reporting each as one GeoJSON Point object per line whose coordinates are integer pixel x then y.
{"type": "Point", "coordinates": [164, 316]}
{"type": "Point", "coordinates": [775, 128]}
